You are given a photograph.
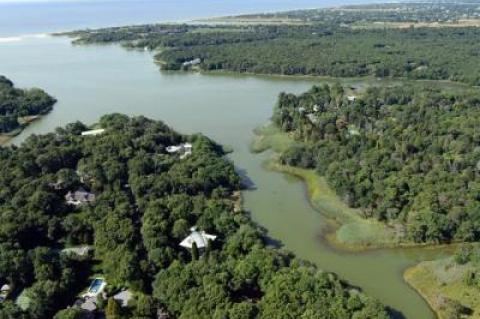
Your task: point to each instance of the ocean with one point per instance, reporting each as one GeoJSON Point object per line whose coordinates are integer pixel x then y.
{"type": "Point", "coordinates": [23, 17]}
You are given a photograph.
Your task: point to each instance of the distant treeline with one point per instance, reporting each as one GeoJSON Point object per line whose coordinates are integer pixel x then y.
{"type": "Point", "coordinates": [316, 49]}
{"type": "Point", "coordinates": [401, 154]}
{"type": "Point", "coordinates": [426, 11]}
{"type": "Point", "coordinates": [15, 103]}
{"type": "Point", "coordinates": [146, 202]}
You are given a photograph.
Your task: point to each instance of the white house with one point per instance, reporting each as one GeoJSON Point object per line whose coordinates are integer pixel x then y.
{"type": "Point", "coordinates": [351, 98]}
{"type": "Point", "coordinates": [185, 149]}
{"type": "Point", "coordinates": [192, 62]}
{"type": "Point", "coordinates": [200, 238]}
{"type": "Point", "coordinates": [93, 132]}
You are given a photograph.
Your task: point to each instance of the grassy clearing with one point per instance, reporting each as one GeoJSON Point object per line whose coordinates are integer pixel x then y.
{"type": "Point", "coordinates": [270, 137]}
{"type": "Point", "coordinates": [441, 283]}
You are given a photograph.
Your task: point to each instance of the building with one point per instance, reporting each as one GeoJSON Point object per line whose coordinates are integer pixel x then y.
{"type": "Point", "coordinates": [200, 238]}
{"type": "Point", "coordinates": [192, 62]}
{"type": "Point", "coordinates": [4, 292]}
{"type": "Point", "coordinates": [351, 98]}
{"type": "Point", "coordinates": [79, 197]}
{"type": "Point", "coordinates": [93, 132]}
{"type": "Point", "coordinates": [123, 297]}
{"type": "Point", "coordinates": [81, 251]}
{"type": "Point", "coordinates": [88, 307]}
{"type": "Point", "coordinates": [184, 149]}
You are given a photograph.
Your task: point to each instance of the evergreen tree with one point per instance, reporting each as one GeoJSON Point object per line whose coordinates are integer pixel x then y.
{"type": "Point", "coordinates": [113, 309]}
{"type": "Point", "coordinates": [195, 252]}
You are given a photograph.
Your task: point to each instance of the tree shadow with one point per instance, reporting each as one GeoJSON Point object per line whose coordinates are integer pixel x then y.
{"type": "Point", "coordinates": [247, 182]}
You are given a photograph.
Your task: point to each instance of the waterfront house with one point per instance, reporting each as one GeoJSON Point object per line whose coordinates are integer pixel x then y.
{"type": "Point", "coordinates": [184, 149]}
{"type": "Point", "coordinates": [192, 62]}
{"type": "Point", "coordinates": [200, 238]}
{"type": "Point", "coordinates": [79, 197]}
{"type": "Point", "coordinates": [93, 132]}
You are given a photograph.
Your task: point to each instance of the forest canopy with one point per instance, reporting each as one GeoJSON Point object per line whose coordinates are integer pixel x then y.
{"type": "Point", "coordinates": [146, 201]}
{"type": "Point", "coordinates": [402, 154]}
{"type": "Point", "coordinates": [318, 42]}
{"type": "Point", "coordinates": [17, 103]}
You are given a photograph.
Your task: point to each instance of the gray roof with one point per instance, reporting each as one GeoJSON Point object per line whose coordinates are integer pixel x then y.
{"type": "Point", "coordinates": [80, 195]}
{"type": "Point", "coordinates": [123, 297]}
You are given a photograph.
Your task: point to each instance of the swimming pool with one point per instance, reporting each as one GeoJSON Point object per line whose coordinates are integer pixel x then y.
{"type": "Point", "coordinates": [96, 287]}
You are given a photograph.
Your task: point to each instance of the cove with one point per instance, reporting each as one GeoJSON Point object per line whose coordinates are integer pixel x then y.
{"type": "Point", "coordinates": [89, 81]}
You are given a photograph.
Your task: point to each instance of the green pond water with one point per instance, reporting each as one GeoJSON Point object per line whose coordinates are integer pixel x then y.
{"type": "Point", "coordinates": [94, 80]}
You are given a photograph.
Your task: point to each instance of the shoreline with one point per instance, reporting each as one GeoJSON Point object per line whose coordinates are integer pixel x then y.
{"type": "Point", "coordinates": [348, 230]}
{"type": "Point", "coordinates": [25, 121]}
{"type": "Point", "coordinates": [441, 284]}
{"type": "Point", "coordinates": [335, 223]}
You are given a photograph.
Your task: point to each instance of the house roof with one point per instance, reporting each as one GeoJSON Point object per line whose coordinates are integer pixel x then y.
{"type": "Point", "coordinates": [80, 251]}
{"type": "Point", "coordinates": [89, 304]}
{"type": "Point", "coordinates": [123, 297]}
{"type": "Point", "coordinates": [200, 238]}
{"type": "Point", "coordinates": [80, 195]}
{"type": "Point", "coordinates": [178, 148]}
{"type": "Point", "coordinates": [93, 132]}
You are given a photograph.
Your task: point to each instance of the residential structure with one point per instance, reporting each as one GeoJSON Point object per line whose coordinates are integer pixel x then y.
{"type": "Point", "coordinates": [123, 297]}
{"type": "Point", "coordinates": [192, 62]}
{"type": "Point", "coordinates": [79, 197]}
{"type": "Point", "coordinates": [184, 149]}
{"type": "Point", "coordinates": [81, 251]}
{"type": "Point", "coordinates": [200, 238]}
{"type": "Point", "coordinates": [93, 132]}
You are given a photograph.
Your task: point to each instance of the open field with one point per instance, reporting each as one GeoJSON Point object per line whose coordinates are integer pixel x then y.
{"type": "Point", "coordinates": [441, 283]}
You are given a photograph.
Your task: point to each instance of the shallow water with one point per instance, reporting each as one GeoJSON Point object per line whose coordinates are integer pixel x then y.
{"type": "Point", "coordinates": [89, 81]}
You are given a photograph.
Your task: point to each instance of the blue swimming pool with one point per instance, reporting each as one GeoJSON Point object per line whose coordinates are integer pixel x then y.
{"type": "Point", "coordinates": [96, 285]}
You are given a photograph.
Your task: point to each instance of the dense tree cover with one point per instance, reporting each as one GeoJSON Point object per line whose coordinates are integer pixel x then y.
{"type": "Point", "coordinates": [146, 202]}
{"type": "Point", "coordinates": [470, 255]}
{"type": "Point", "coordinates": [427, 11]}
{"type": "Point", "coordinates": [15, 103]}
{"type": "Point", "coordinates": [403, 154]}
{"type": "Point", "coordinates": [320, 42]}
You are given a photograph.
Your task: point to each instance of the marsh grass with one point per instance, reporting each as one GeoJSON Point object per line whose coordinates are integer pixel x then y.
{"type": "Point", "coordinates": [441, 282]}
